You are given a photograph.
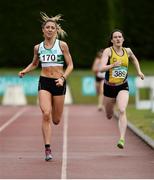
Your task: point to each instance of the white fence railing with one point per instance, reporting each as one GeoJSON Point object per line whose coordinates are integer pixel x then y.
{"type": "Point", "coordinates": [148, 82]}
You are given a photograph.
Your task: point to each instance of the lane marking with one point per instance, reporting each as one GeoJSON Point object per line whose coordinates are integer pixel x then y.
{"type": "Point", "coordinates": [13, 118]}
{"type": "Point", "coordinates": [64, 156]}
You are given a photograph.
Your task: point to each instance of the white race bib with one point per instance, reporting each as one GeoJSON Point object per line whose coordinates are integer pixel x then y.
{"type": "Point", "coordinates": [49, 58]}
{"type": "Point", "coordinates": [119, 72]}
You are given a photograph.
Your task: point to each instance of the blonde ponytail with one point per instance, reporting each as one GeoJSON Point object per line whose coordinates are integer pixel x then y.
{"type": "Point", "coordinates": [61, 33]}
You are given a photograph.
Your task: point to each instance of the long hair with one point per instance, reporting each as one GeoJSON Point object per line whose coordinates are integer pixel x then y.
{"type": "Point", "coordinates": [55, 19]}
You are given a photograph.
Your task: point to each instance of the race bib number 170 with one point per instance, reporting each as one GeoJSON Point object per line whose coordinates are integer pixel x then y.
{"type": "Point", "coordinates": [49, 58]}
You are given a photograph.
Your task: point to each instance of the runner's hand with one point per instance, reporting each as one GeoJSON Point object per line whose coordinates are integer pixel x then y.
{"type": "Point", "coordinates": [60, 81]}
{"type": "Point", "coordinates": [21, 74]}
{"type": "Point", "coordinates": [117, 63]}
{"type": "Point", "coordinates": [141, 75]}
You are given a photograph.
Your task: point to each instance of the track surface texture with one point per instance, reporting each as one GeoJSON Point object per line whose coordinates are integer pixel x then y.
{"type": "Point", "coordinates": [83, 147]}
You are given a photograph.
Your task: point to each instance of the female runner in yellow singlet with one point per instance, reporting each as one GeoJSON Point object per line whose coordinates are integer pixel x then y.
{"type": "Point", "coordinates": [115, 60]}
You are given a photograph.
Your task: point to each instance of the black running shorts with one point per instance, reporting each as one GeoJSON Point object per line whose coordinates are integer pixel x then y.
{"type": "Point", "coordinates": [112, 91]}
{"type": "Point", "coordinates": [49, 85]}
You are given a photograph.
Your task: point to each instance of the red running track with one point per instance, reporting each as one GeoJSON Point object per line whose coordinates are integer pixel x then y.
{"type": "Point", "coordinates": [83, 145]}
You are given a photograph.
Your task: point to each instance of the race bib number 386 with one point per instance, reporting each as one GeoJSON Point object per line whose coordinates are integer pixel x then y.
{"type": "Point", "coordinates": [119, 72]}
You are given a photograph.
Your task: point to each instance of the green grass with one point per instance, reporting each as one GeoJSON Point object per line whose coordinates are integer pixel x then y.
{"type": "Point", "coordinates": [75, 83]}
{"type": "Point", "coordinates": [142, 119]}
{"type": "Point", "coordinates": [146, 67]}
{"type": "Point", "coordinates": [14, 71]}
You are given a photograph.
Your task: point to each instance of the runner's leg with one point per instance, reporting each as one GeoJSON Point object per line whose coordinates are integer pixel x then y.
{"type": "Point", "coordinates": [57, 108]}
{"type": "Point", "coordinates": [122, 102]}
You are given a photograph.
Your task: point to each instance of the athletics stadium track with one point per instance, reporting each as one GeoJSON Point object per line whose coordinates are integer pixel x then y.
{"type": "Point", "coordinates": [83, 146]}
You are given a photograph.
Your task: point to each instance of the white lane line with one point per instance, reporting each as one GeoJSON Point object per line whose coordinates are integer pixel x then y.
{"type": "Point", "coordinates": [64, 156]}
{"type": "Point", "coordinates": [13, 118]}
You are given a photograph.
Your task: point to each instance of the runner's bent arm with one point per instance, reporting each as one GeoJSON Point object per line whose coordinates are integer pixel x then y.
{"type": "Point", "coordinates": [135, 62]}
{"type": "Point", "coordinates": [33, 64]}
{"type": "Point", "coordinates": [105, 56]}
{"type": "Point", "coordinates": [68, 59]}
{"type": "Point", "coordinates": [95, 67]}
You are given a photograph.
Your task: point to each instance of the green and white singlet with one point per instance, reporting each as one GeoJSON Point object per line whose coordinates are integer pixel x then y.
{"type": "Point", "coordinates": [52, 56]}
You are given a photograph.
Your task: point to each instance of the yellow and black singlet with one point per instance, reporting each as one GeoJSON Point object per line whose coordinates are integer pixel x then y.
{"type": "Point", "coordinates": [117, 75]}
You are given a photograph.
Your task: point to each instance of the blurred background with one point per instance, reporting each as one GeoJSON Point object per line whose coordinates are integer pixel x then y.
{"type": "Point", "coordinates": [88, 25]}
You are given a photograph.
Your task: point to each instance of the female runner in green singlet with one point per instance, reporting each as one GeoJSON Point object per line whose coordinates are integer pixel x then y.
{"type": "Point", "coordinates": [52, 53]}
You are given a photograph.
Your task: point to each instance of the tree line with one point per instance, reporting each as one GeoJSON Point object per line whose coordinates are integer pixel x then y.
{"type": "Point", "coordinates": [87, 23]}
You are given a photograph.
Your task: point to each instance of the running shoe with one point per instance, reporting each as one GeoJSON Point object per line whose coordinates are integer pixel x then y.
{"type": "Point", "coordinates": [48, 154]}
{"type": "Point", "coordinates": [121, 143]}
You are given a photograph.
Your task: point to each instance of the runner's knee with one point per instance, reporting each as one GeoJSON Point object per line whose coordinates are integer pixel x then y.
{"type": "Point", "coordinates": [109, 116]}
{"type": "Point", "coordinates": [122, 110]}
{"type": "Point", "coordinates": [109, 113]}
{"type": "Point", "coordinates": [56, 121]}
{"type": "Point", "coordinates": [46, 115]}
